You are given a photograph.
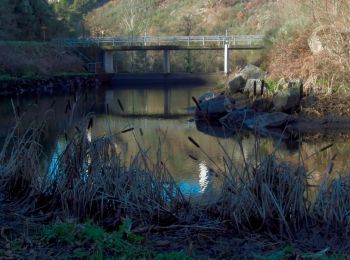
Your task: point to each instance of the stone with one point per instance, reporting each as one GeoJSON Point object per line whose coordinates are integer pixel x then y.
{"type": "Point", "coordinates": [249, 87]}
{"type": "Point", "coordinates": [268, 120]}
{"type": "Point", "coordinates": [215, 108]}
{"type": "Point", "coordinates": [236, 84]}
{"type": "Point", "coordinates": [288, 100]}
{"type": "Point", "coordinates": [236, 118]}
{"type": "Point", "coordinates": [315, 42]}
{"type": "Point", "coordinates": [206, 96]}
{"type": "Point", "coordinates": [252, 72]}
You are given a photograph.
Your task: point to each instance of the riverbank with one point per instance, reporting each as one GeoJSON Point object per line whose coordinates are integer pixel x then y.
{"type": "Point", "coordinates": [66, 83]}
{"type": "Point", "coordinates": [268, 207]}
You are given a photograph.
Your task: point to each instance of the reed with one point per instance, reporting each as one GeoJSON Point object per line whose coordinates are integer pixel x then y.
{"type": "Point", "coordinates": [91, 182]}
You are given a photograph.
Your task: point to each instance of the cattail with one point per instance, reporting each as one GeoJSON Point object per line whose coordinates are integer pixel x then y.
{"type": "Point", "coordinates": [127, 130]}
{"type": "Point", "coordinates": [107, 109]}
{"type": "Point", "coordinates": [326, 147]}
{"type": "Point", "coordinates": [334, 157]}
{"type": "Point", "coordinates": [77, 129]}
{"type": "Point", "coordinates": [52, 104]}
{"type": "Point", "coordinates": [197, 104]}
{"type": "Point", "coordinates": [192, 157]}
{"type": "Point", "coordinates": [75, 97]}
{"type": "Point", "coordinates": [91, 123]}
{"type": "Point", "coordinates": [120, 105]}
{"type": "Point", "coordinates": [193, 142]}
{"type": "Point", "coordinates": [141, 132]}
{"type": "Point", "coordinates": [68, 107]}
{"type": "Point", "coordinates": [18, 112]}
{"type": "Point", "coordinates": [66, 136]}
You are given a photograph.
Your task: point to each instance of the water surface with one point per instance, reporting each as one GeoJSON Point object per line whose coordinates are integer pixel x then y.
{"type": "Point", "coordinates": [165, 116]}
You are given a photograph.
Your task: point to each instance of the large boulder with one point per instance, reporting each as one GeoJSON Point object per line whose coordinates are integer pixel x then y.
{"type": "Point", "coordinates": [236, 84]}
{"type": "Point", "coordinates": [254, 87]}
{"type": "Point", "coordinates": [215, 108]}
{"type": "Point", "coordinates": [206, 96]}
{"type": "Point", "coordinates": [252, 72]}
{"type": "Point", "coordinates": [268, 120]}
{"type": "Point", "coordinates": [236, 119]}
{"type": "Point", "coordinates": [288, 100]}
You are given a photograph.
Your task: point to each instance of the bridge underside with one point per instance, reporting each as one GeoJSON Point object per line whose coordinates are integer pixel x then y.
{"type": "Point", "coordinates": [177, 48]}
{"type": "Point", "coordinates": [109, 67]}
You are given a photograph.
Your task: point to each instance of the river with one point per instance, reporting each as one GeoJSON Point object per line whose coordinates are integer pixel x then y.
{"type": "Point", "coordinates": [163, 117]}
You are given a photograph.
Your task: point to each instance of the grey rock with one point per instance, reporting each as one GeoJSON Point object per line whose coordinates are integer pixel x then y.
{"type": "Point", "coordinates": [215, 108]}
{"type": "Point", "coordinates": [206, 96]}
{"type": "Point", "coordinates": [252, 72]}
{"type": "Point", "coordinates": [236, 119]}
{"type": "Point", "coordinates": [236, 84]}
{"type": "Point", "coordinates": [272, 120]}
{"type": "Point", "coordinates": [259, 87]}
{"type": "Point", "coordinates": [315, 42]}
{"type": "Point", "coordinates": [288, 99]}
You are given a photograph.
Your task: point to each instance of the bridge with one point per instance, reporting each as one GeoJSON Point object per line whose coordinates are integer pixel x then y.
{"type": "Point", "coordinates": [166, 44]}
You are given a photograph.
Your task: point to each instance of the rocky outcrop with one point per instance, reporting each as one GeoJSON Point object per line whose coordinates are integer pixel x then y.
{"type": "Point", "coordinates": [238, 82]}
{"type": "Point", "coordinates": [254, 87]}
{"type": "Point", "coordinates": [288, 99]}
{"type": "Point", "coordinates": [252, 72]}
{"type": "Point", "coordinates": [214, 108]}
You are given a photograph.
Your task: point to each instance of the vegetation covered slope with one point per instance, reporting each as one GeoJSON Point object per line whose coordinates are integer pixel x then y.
{"type": "Point", "coordinates": [309, 39]}
{"type": "Point", "coordinates": [27, 20]}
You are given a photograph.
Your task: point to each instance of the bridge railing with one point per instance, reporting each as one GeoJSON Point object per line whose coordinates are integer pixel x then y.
{"type": "Point", "coordinates": [218, 40]}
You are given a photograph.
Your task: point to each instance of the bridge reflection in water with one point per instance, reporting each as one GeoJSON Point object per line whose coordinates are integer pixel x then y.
{"type": "Point", "coordinates": [158, 102]}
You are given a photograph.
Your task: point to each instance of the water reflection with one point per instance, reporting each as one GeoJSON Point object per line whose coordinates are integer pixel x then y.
{"type": "Point", "coordinates": [164, 119]}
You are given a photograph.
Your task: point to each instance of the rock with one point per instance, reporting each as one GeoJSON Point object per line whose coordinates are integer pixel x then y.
{"type": "Point", "coordinates": [236, 84]}
{"type": "Point", "coordinates": [315, 42]}
{"type": "Point", "coordinates": [288, 100]}
{"type": "Point", "coordinates": [238, 81]}
{"type": "Point", "coordinates": [215, 108]}
{"type": "Point", "coordinates": [265, 120]}
{"type": "Point", "coordinates": [206, 96]}
{"type": "Point", "coordinates": [236, 118]}
{"type": "Point", "coordinates": [252, 72]}
{"type": "Point", "coordinates": [259, 87]}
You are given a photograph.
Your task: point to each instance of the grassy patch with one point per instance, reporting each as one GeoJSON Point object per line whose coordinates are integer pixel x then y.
{"type": "Point", "coordinates": [92, 241]}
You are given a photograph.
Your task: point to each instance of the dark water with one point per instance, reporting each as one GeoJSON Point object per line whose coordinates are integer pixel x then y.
{"type": "Point", "coordinates": [165, 117]}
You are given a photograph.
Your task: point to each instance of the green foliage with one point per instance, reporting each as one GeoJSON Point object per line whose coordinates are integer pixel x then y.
{"type": "Point", "coordinates": [93, 242]}
{"type": "Point", "coordinates": [272, 86]}
{"type": "Point", "coordinates": [64, 232]}
{"type": "Point", "coordinates": [27, 19]}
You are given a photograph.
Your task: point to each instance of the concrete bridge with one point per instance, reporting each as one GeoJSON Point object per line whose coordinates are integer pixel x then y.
{"type": "Point", "coordinates": [166, 44]}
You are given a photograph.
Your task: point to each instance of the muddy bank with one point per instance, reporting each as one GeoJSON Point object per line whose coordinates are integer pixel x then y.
{"type": "Point", "coordinates": [50, 85]}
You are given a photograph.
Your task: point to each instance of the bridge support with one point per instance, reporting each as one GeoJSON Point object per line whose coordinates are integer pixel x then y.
{"type": "Point", "coordinates": [108, 62]}
{"type": "Point", "coordinates": [166, 61]}
{"type": "Point", "coordinates": [226, 59]}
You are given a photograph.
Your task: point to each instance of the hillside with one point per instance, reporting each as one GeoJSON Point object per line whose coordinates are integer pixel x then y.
{"type": "Point", "coordinates": [27, 20]}
{"type": "Point", "coordinates": [308, 39]}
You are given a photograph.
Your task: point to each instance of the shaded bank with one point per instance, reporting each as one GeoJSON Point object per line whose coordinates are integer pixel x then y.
{"type": "Point", "coordinates": [49, 85]}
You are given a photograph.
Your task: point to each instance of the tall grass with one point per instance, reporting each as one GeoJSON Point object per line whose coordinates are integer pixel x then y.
{"type": "Point", "coordinates": [91, 181]}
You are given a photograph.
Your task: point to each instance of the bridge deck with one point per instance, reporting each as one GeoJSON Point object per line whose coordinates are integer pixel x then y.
{"type": "Point", "coordinates": [239, 42]}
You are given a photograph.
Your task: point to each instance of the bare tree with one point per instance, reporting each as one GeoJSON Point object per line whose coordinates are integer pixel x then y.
{"type": "Point", "coordinates": [136, 16]}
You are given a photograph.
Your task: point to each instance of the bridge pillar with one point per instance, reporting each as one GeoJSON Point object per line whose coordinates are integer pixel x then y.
{"type": "Point", "coordinates": [108, 62]}
{"type": "Point", "coordinates": [226, 59]}
{"type": "Point", "coordinates": [166, 61]}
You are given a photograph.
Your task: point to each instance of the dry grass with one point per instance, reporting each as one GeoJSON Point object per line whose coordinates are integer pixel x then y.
{"type": "Point", "coordinates": [265, 196]}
